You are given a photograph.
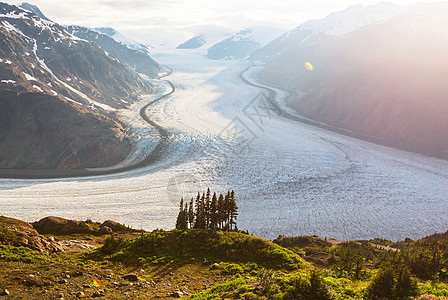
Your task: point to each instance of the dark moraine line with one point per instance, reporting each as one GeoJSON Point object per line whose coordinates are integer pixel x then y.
{"type": "Point", "coordinates": [156, 155]}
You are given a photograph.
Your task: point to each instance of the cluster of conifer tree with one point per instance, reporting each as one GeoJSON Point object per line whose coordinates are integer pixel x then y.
{"type": "Point", "coordinates": [209, 212]}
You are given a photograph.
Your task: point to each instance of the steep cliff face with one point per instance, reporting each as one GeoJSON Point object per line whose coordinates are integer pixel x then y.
{"type": "Point", "coordinates": [385, 80]}
{"type": "Point", "coordinates": [58, 95]}
{"type": "Point", "coordinates": [38, 131]}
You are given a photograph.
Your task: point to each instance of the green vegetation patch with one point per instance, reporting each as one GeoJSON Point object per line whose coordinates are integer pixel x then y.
{"type": "Point", "coordinates": [199, 245]}
{"type": "Point", "coordinates": [21, 254]}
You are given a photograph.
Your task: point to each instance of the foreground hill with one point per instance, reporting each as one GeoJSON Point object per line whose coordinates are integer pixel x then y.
{"type": "Point", "coordinates": [90, 259]}
{"type": "Point", "coordinates": [383, 79]}
{"type": "Point", "coordinates": [58, 94]}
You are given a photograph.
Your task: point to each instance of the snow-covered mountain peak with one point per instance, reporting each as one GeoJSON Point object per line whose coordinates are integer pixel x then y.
{"type": "Point", "coordinates": [352, 18]}
{"type": "Point", "coordinates": [34, 9]}
{"type": "Point", "coordinates": [21, 20]}
{"type": "Point", "coordinates": [243, 43]}
{"type": "Point", "coordinates": [119, 37]}
{"type": "Point", "coordinates": [195, 42]}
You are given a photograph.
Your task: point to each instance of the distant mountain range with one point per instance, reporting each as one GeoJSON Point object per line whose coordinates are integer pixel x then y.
{"type": "Point", "coordinates": [243, 43]}
{"type": "Point", "coordinates": [139, 60]}
{"type": "Point", "coordinates": [378, 71]}
{"type": "Point", "coordinates": [232, 46]}
{"type": "Point", "coordinates": [58, 94]}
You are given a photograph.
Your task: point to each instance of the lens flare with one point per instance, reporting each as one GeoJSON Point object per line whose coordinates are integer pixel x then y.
{"type": "Point", "coordinates": [96, 283]}
{"type": "Point", "coordinates": [309, 66]}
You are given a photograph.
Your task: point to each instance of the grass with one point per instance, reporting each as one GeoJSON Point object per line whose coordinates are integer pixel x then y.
{"type": "Point", "coordinates": [22, 254]}
{"type": "Point", "coordinates": [208, 246]}
{"type": "Point", "coordinates": [209, 264]}
{"type": "Point", "coordinates": [220, 291]}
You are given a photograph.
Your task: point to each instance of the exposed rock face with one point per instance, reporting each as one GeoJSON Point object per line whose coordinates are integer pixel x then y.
{"type": "Point", "coordinates": [43, 132]}
{"type": "Point", "coordinates": [57, 225]}
{"type": "Point", "coordinates": [386, 80]}
{"type": "Point", "coordinates": [18, 233]}
{"type": "Point", "coordinates": [115, 226]}
{"type": "Point", "coordinates": [61, 226]}
{"type": "Point", "coordinates": [58, 95]}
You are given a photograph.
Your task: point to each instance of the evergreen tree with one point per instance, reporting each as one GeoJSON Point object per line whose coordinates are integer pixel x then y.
{"type": "Point", "coordinates": [196, 222]}
{"type": "Point", "coordinates": [226, 211]}
{"type": "Point", "coordinates": [209, 212]}
{"type": "Point", "coordinates": [201, 218]}
{"type": "Point", "coordinates": [214, 212]}
{"type": "Point", "coordinates": [220, 213]}
{"type": "Point", "coordinates": [233, 210]}
{"type": "Point", "coordinates": [181, 217]}
{"type": "Point", "coordinates": [191, 214]}
{"type": "Point", "coordinates": [207, 209]}
{"type": "Point", "coordinates": [185, 216]}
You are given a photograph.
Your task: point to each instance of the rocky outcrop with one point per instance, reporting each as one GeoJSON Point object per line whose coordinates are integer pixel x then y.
{"type": "Point", "coordinates": [36, 236]}
{"type": "Point", "coordinates": [61, 226]}
{"type": "Point", "coordinates": [18, 233]}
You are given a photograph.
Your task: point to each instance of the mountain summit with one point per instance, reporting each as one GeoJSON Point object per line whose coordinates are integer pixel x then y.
{"type": "Point", "coordinates": [34, 9]}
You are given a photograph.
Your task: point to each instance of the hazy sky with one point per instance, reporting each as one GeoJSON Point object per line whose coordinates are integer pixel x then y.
{"type": "Point", "coordinates": [157, 21]}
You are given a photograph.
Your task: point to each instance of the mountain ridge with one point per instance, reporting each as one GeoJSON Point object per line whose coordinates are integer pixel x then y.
{"type": "Point", "coordinates": [59, 97]}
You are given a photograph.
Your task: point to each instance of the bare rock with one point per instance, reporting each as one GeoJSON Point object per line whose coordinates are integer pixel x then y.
{"type": "Point", "coordinates": [99, 293]}
{"type": "Point", "coordinates": [177, 294]}
{"type": "Point", "coordinates": [58, 225]}
{"type": "Point", "coordinates": [80, 295]}
{"type": "Point", "coordinates": [130, 277]}
{"type": "Point", "coordinates": [115, 226]}
{"type": "Point", "coordinates": [105, 230]}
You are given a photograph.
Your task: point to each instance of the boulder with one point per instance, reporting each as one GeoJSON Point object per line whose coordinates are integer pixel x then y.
{"type": "Point", "coordinates": [58, 225]}
{"type": "Point", "coordinates": [130, 277]}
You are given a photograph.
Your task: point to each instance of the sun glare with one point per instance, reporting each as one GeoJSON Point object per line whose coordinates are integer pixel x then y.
{"type": "Point", "coordinates": [309, 66]}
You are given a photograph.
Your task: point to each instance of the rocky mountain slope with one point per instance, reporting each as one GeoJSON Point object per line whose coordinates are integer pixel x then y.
{"type": "Point", "coordinates": [381, 77]}
{"type": "Point", "coordinates": [138, 60]}
{"type": "Point", "coordinates": [58, 94]}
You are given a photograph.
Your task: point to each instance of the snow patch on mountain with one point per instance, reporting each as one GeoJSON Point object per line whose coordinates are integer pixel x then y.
{"type": "Point", "coordinates": [8, 81]}
{"type": "Point", "coordinates": [29, 77]}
